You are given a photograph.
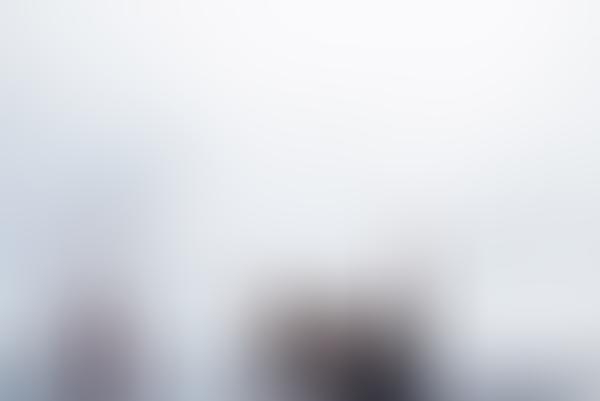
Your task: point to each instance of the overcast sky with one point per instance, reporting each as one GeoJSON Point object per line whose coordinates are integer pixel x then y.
{"type": "Point", "coordinates": [218, 135]}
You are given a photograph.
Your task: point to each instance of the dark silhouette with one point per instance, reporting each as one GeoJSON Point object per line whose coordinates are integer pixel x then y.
{"type": "Point", "coordinates": [348, 358]}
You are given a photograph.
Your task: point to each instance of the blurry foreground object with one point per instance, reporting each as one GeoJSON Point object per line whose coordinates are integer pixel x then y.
{"type": "Point", "coordinates": [317, 350]}
{"type": "Point", "coordinates": [96, 355]}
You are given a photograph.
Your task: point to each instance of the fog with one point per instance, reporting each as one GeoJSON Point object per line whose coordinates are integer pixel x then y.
{"type": "Point", "coordinates": [196, 155]}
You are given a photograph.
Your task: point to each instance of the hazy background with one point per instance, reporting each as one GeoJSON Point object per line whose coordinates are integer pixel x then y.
{"type": "Point", "coordinates": [194, 146]}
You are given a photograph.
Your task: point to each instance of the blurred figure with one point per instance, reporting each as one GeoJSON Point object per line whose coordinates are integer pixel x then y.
{"type": "Point", "coordinates": [320, 352]}
{"type": "Point", "coordinates": [97, 350]}
{"type": "Point", "coordinates": [377, 366]}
